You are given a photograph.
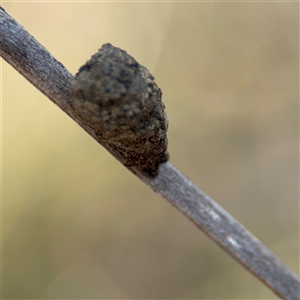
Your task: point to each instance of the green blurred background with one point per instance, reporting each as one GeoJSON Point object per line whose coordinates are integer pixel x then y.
{"type": "Point", "coordinates": [77, 224]}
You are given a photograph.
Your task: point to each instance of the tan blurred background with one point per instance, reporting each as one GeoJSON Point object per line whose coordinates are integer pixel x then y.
{"type": "Point", "coordinates": [77, 224]}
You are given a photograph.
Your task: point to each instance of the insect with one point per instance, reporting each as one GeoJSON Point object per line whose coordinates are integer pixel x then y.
{"type": "Point", "coordinates": [120, 101]}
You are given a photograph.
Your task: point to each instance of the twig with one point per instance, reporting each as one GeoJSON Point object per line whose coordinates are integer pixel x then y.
{"type": "Point", "coordinates": [49, 76]}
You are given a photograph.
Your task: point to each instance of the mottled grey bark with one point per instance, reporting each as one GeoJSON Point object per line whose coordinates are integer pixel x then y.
{"type": "Point", "coordinates": [40, 68]}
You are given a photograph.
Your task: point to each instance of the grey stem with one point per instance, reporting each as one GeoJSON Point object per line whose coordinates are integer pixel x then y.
{"type": "Point", "coordinates": [40, 68]}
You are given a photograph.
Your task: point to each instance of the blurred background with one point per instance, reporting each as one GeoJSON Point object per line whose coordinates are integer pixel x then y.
{"type": "Point", "coordinates": [77, 224]}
